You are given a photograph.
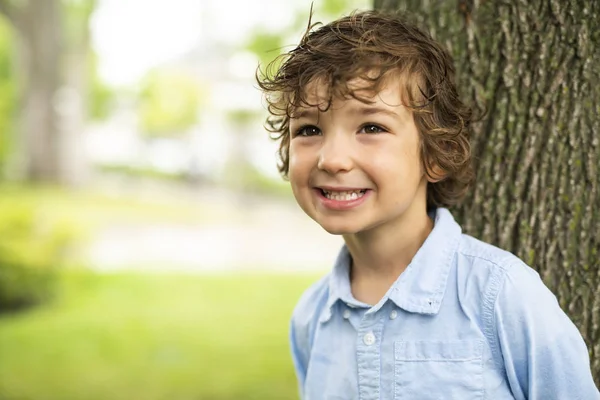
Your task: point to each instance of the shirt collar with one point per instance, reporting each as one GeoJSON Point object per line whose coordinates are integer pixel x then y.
{"type": "Point", "coordinates": [421, 287]}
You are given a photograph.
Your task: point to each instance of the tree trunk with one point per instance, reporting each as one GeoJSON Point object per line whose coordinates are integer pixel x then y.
{"type": "Point", "coordinates": [533, 65]}
{"type": "Point", "coordinates": [38, 25]}
{"type": "Point", "coordinates": [74, 94]}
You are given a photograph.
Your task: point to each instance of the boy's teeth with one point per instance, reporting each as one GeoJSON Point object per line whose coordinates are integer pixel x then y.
{"type": "Point", "coordinates": [344, 196]}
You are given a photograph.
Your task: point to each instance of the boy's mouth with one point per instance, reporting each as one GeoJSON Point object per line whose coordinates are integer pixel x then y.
{"type": "Point", "coordinates": [343, 195]}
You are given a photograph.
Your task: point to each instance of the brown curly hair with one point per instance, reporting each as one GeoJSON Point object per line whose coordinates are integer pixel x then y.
{"type": "Point", "coordinates": [374, 47]}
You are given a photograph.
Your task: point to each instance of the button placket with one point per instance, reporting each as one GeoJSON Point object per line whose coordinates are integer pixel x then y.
{"type": "Point", "coordinates": [368, 356]}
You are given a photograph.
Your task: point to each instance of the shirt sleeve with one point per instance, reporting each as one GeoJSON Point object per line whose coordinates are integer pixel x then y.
{"type": "Point", "coordinates": [544, 354]}
{"type": "Point", "coordinates": [299, 349]}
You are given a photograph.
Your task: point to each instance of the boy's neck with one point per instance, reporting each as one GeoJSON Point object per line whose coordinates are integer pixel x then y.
{"type": "Point", "coordinates": [382, 254]}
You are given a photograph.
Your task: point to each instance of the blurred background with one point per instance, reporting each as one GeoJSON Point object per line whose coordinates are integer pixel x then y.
{"type": "Point", "coordinates": [148, 247]}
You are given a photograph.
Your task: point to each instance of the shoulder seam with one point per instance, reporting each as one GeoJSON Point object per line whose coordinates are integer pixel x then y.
{"type": "Point", "coordinates": [497, 280]}
{"type": "Point", "coordinates": [508, 256]}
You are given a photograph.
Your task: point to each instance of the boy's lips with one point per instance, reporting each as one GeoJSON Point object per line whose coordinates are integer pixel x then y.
{"type": "Point", "coordinates": [340, 188]}
{"type": "Point", "coordinates": [341, 198]}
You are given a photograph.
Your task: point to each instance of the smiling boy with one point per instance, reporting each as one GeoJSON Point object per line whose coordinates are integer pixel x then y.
{"type": "Point", "coordinates": [362, 181]}
{"type": "Point", "coordinates": [375, 142]}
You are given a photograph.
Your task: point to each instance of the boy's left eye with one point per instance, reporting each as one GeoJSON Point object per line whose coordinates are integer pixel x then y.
{"type": "Point", "coordinates": [371, 128]}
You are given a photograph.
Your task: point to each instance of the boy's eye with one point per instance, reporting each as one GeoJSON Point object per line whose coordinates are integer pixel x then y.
{"type": "Point", "coordinates": [370, 128]}
{"type": "Point", "coordinates": [308, 130]}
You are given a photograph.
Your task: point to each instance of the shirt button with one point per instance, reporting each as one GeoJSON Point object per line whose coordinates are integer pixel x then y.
{"type": "Point", "coordinates": [346, 314]}
{"type": "Point", "coordinates": [369, 339]}
{"type": "Point", "coordinates": [393, 314]}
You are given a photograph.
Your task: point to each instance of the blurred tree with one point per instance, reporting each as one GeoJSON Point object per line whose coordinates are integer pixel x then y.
{"type": "Point", "coordinates": [51, 51]}
{"type": "Point", "coordinates": [534, 66]}
{"type": "Point", "coordinates": [38, 27]}
{"type": "Point", "coordinates": [73, 103]}
{"type": "Point", "coordinates": [168, 103]}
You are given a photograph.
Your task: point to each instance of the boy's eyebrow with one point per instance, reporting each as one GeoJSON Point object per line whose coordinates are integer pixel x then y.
{"type": "Point", "coordinates": [375, 110]}
{"type": "Point", "coordinates": [305, 113]}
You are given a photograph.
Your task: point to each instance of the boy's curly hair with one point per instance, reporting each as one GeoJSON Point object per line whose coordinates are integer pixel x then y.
{"type": "Point", "coordinates": [375, 47]}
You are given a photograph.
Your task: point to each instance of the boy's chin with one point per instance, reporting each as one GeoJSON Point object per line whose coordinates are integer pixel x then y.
{"type": "Point", "coordinates": [340, 229]}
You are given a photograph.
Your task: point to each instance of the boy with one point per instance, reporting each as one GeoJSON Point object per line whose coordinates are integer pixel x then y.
{"type": "Point", "coordinates": [375, 143]}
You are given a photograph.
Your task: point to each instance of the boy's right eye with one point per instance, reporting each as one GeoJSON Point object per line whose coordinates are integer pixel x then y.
{"type": "Point", "coordinates": [308, 130]}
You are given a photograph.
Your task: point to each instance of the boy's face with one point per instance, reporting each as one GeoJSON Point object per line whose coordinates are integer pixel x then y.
{"type": "Point", "coordinates": [357, 166]}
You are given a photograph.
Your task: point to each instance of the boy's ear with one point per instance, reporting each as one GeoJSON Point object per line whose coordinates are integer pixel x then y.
{"type": "Point", "coordinates": [434, 172]}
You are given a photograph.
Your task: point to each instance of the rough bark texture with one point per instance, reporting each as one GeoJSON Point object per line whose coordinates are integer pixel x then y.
{"type": "Point", "coordinates": [534, 65]}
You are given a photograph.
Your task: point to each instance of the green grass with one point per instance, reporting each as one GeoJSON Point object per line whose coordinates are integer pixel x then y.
{"type": "Point", "coordinates": [153, 336]}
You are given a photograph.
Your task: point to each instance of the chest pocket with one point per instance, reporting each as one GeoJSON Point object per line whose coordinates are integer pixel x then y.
{"type": "Point", "coordinates": [429, 370]}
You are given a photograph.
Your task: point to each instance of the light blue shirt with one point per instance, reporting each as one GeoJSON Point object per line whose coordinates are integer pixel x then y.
{"type": "Point", "coordinates": [465, 320]}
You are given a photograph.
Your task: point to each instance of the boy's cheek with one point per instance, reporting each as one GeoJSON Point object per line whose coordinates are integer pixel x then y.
{"type": "Point", "coordinates": [295, 181]}
{"type": "Point", "coordinates": [293, 169]}
{"type": "Point", "coordinates": [292, 157]}
{"type": "Point", "coordinates": [297, 165]}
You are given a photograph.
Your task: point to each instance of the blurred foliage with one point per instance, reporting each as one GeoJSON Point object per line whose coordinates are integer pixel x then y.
{"type": "Point", "coordinates": [168, 103]}
{"type": "Point", "coordinates": [77, 14]}
{"type": "Point", "coordinates": [101, 96]}
{"type": "Point", "coordinates": [241, 117]}
{"type": "Point", "coordinates": [31, 251]}
{"type": "Point", "coordinates": [249, 179]}
{"type": "Point", "coordinates": [267, 45]}
{"type": "Point", "coordinates": [151, 337]}
{"type": "Point", "coordinates": [335, 8]}
{"type": "Point", "coordinates": [142, 172]}
{"type": "Point", "coordinates": [7, 91]}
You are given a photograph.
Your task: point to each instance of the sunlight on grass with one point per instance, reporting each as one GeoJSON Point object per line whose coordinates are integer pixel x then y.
{"type": "Point", "coordinates": [148, 337]}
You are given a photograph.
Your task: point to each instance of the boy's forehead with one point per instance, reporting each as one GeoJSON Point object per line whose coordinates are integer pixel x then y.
{"type": "Point", "coordinates": [319, 89]}
{"type": "Point", "coordinates": [391, 92]}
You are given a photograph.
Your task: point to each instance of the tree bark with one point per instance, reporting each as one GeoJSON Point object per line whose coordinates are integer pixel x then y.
{"type": "Point", "coordinates": [533, 65]}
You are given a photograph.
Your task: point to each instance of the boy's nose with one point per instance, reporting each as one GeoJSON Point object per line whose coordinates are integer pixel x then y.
{"type": "Point", "coordinates": [335, 155]}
